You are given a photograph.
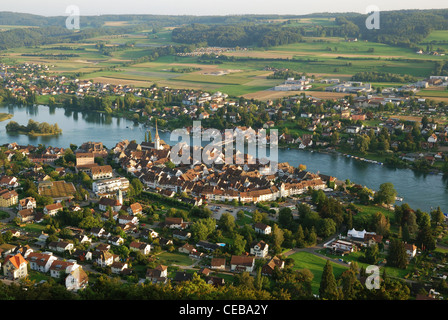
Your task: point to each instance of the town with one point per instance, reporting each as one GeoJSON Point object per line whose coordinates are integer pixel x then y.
{"type": "Point", "coordinates": [72, 215]}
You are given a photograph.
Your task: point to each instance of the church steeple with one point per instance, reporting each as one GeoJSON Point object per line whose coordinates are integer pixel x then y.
{"type": "Point", "coordinates": [157, 139]}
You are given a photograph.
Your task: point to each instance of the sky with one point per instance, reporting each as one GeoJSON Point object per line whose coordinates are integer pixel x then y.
{"type": "Point", "coordinates": [211, 7]}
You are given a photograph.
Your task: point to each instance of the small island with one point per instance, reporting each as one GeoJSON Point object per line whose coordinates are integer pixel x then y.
{"type": "Point", "coordinates": [5, 116]}
{"type": "Point", "coordinates": [34, 128]}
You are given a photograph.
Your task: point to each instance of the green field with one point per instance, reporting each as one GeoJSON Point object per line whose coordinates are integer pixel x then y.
{"type": "Point", "coordinates": [171, 258]}
{"type": "Point", "coordinates": [305, 260]}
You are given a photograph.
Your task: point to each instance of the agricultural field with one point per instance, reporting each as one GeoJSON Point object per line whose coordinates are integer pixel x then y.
{"type": "Point", "coordinates": [326, 57]}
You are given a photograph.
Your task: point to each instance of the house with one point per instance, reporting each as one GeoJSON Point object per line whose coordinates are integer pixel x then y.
{"type": "Point", "coordinates": [214, 281]}
{"type": "Point", "coordinates": [116, 240]}
{"type": "Point", "coordinates": [125, 219]}
{"type": "Point", "coordinates": [76, 280]}
{"type": "Point", "coordinates": [118, 267]}
{"type": "Point", "coordinates": [175, 223]}
{"type": "Point", "coordinates": [8, 182]}
{"type": "Point", "coordinates": [82, 238]}
{"type": "Point", "coordinates": [144, 248]}
{"type": "Point", "coordinates": [82, 255]}
{"type": "Point", "coordinates": [26, 215]}
{"type": "Point", "coordinates": [411, 250]}
{"type": "Point", "coordinates": [259, 249]}
{"type": "Point", "coordinates": [181, 235]}
{"type": "Point", "coordinates": [15, 267]}
{"type": "Point", "coordinates": [41, 261]}
{"type": "Point", "coordinates": [196, 255]}
{"type": "Point", "coordinates": [207, 245]}
{"type": "Point", "coordinates": [104, 258]}
{"type": "Point", "coordinates": [59, 267]}
{"type": "Point", "coordinates": [52, 209]}
{"type": "Point", "coordinates": [27, 203]}
{"type": "Point", "coordinates": [148, 233]}
{"type": "Point", "coordinates": [432, 138]}
{"type": "Point", "coordinates": [23, 250]}
{"type": "Point", "coordinates": [187, 248]}
{"type": "Point", "coordinates": [99, 232]}
{"type": "Point", "coordinates": [262, 228]}
{"type": "Point", "coordinates": [157, 275]}
{"type": "Point", "coordinates": [342, 247]}
{"type": "Point", "coordinates": [242, 263]}
{"type": "Point", "coordinates": [218, 263]}
{"type": "Point", "coordinates": [114, 204]}
{"type": "Point", "coordinates": [61, 246]}
{"type": "Point", "coordinates": [101, 172]}
{"type": "Point", "coordinates": [135, 208]}
{"type": "Point", "coordinates": [269, 268]}
{"type": "Point", "coordinates": [8, 198]}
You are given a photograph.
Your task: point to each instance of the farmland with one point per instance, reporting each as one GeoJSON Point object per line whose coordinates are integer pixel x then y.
{"type": "Point", "coordinates": [241, 72]}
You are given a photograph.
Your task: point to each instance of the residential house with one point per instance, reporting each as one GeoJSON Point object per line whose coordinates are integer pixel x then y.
{"type": "Point", "coordinates": [15, 267]}
{"type": "Point", "coordinates": [269, 268]}
{"type": "Point", "coordinates": [411, 250]}
{"type": "Point", "coordinates": [242, 263]}
{"type": "Point", "coordinates": [181, 235]}
{"type": "Point", "coordinates": [116, 240]}
{"type": "Point", "coordinates": [157, 275]}
{"type": "Point", "coordinates": [27, 203]}
{"type": "Point", "coordinates": [52, 209]}
{"type": "Point", "coordinates": [61, 246]}
{"type": "Point", "coordinates": [76, 280]}
{"type": "Point", "coordinates": [26, 215]}
{"type": "Point", "coordinates": [8, 198]}
{"type": "Point", "coordinates": [135, 209]}
{"type": "Point", "coordinates": [118, 267]}
{"type": "Point", "coordinates": [262, 228]}
{"type": "Point", "coordinates": [59, 268]}
{"type": "Point", "coordinates": [218, 263]}
{"type": "Point", "coordinates": [187, 248]}
{"type": "Point", "coordinates": [175, 223]}
{"type": "Point", "coordinates": [259, 249]}
{"type": "Point", "coordinates": [41, 261]}
{"type": "Point", "coordinates": [142, 247]}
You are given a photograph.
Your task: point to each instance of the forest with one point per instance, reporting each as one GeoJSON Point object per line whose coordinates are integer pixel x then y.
{"type": "Point", "coordinates": [238, 35]}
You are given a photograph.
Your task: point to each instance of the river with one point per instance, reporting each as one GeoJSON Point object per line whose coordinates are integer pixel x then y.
{"type": "Point", "coordinates": [419, 190]}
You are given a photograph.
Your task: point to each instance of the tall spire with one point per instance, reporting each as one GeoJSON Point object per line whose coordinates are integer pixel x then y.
{"type": "Point", "coordinates": [157, 132]}
{"type": "Point", "coordinates": [157, 139]}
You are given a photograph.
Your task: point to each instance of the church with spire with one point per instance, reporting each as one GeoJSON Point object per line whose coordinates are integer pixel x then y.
{"type": "Point", "coordinates": [156, 144]}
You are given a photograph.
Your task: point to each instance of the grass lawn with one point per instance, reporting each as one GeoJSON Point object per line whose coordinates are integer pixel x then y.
{"type": "Point", "coordinates": [34, 228]}
{"type": "Point", "coordinates": [306, 260]}
{"type": "Point", "coordinates": [170, 258]}
{"type": "Point", "coordinates": [38, 276]}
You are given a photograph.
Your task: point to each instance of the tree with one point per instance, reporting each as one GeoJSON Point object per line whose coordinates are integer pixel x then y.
{"type": "Point", "coordinates": [328, 289]}
{"type": "Point", "coordinates": [239, 245]}
{"type": "Point", "coordinates": [285, 218]}
{"type": "Point", "coordinates": [371, 254]}
{"type": "Point", "coordinates": [278, 238]}
{"type": "Point", "coordinates": [386, 194]}
{"type": "Point", "coordinates": [227, 222]}
{"type": "Point", "coordinates": [397, 256]}
{"type": "Point", "coordinates": [437, 217]}
{"type": "Point", "coordinates": [425, 239]}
